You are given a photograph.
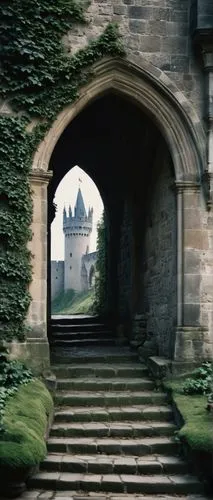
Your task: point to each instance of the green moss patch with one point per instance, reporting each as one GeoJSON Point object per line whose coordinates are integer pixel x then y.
{"type": "Point", "coordinates": [22, 444]}
{"type": "Point", "coordinates": [197, 430]}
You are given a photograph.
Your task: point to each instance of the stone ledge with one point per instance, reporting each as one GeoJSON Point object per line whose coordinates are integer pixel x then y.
{"type": "Point", "coordinates": [162, 368]}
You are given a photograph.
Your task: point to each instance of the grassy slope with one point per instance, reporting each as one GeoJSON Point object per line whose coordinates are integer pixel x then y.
{"type": "Point", "coordinates": [198, 427]}
{"type": "Point", "coordinates": [25, 421]}
{"type": "Point", "coordinates": [73, 303]}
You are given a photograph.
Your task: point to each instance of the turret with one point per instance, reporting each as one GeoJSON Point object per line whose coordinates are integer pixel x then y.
{"type": "Point", "coordinates": [90, 215]}
{"type": "Point", "coordinates": [64, 216]}
{"type": "Point", "coordinates": [77, 230]}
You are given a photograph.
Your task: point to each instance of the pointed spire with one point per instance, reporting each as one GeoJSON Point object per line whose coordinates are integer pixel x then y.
{"type": "Point", "coordinates": [91, 213]}
{"type": "Point", "coordinates": [64, 215]}
{"type": "Point", "coordinates": [80, 210]}
{"type": "Point", "coordinates": [70, 212]}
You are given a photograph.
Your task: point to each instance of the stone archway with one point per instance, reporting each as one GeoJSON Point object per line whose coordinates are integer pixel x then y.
{"type": "Point", "coordinates": [153, 93]}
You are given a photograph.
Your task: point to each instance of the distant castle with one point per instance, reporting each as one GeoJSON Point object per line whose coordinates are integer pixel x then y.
{"type": "Point", "coordinates": [77, 270]}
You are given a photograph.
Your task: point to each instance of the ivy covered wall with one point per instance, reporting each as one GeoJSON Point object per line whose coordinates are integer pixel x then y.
{"type": "Point", "coordinates": [38, 78]}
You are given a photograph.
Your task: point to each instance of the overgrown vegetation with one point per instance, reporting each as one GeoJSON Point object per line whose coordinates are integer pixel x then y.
{"type": "Point", "coordinates": [38, 78]}
{"type": "Point", "coordinates": [25, 404]}
{"type": "Point", "coordinates": [200, 381]}
{"type": "Point", "coordinates": [71, 302]}
{"type": "Point", "coordinates": [189, 395]}
{"type": "Point", "coordinates": [12, 375]}
{"type": "Point", "coordinates": [100, 278]}
{"type": "Point", "coordinates": [22, 443]}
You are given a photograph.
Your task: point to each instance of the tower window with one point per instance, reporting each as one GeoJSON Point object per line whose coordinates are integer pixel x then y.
{"type": "Point", "coordinates": [71, 254]}
{"type": "Point", "coordinates": [70, 267]}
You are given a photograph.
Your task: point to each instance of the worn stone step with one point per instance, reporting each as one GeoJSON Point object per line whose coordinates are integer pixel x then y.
{"type": "Point", "coordinates": [99, 370]}
{"type": "Point", "coordinates": [124, 413]}
{"type": "Point", "coordinates": [76, 398]}
{"type": "Point", "coordinates": [60, 355]}
{"type": "Point", "coordinates": [68, 326]}
{"type": "Point", "coordinates": [78, 335]}
{"type": "Point", "coordinates": [102, 384]}
{"type": "Point", "coordinates": [114, 429]}
{"type": "Point", "coordinates": [145, 446]}
{"type": "Point", "coordinates": [104, 464]}
{"type": "Point", "coordinates": [102, 341]}
{"type": "Point", "coordinates": [124, 483]}
{"type": "Point", "coordinates": [92, 495]}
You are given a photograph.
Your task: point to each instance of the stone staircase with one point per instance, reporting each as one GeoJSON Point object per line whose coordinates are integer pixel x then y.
{"type": "Point", "coordinates": [113, 433]}
{"type": "Point", "coordinates": [77, 333]}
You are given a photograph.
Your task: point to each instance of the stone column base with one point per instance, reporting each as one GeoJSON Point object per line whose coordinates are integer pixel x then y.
{"type": "Point", "coordinates": [34, 353]}
{"type": "Point", "coordinates": [193, 344]}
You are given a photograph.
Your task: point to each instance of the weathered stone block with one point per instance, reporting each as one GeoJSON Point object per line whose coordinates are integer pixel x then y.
{"type": "Point", "coordinates": [140, 12]}
{"type": "Point", "coordinates": [191, 314]}
{"type": "Point", "coordinates": [136, 26]}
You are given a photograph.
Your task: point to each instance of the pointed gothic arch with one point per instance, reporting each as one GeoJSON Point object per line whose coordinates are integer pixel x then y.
{"type": "Point", "coordinates": [157, 97]}
{"type": "Point", "coordinates": [150, 89]}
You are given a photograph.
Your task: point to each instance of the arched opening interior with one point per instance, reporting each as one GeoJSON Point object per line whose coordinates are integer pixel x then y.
{"type": "Point", "coordinates": [121, 148]}
{"type": "Point", "coordinates": [73, 241]}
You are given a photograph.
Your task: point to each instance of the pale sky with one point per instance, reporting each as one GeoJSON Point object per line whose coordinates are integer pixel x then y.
{"type": "Point", "coordinates": [65, 195]}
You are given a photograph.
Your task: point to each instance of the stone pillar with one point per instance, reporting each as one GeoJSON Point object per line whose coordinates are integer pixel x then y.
{"type": "Point", "coordinates": [207, 53]}
{"type": "Point", "coordinates": [192, 240]}
{"type": "Point", "coordinates": [37, 343]}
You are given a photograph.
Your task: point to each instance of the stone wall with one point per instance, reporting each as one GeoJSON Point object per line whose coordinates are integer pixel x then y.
{"type": "Point", "coordinates": [155, 31]}
{"type": "Point", "coordinates": [160, 256]}
{"type": "Point", "coordinates": [57, 278]}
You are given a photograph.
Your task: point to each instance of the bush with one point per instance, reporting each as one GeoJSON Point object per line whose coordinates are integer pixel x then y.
{"type": "Point", "coordinates": [12, 375]}
{"type": "Point", "coordinates": [22, 442]}
{"type": "Point", "coordinates": [200, 381]}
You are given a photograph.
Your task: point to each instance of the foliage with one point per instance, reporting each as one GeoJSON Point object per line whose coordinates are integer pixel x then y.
{"type": "Point", "coordinates": [15, 218]}
{"type": "Point", "coordinates": [38, 78]}
{"type": "Point", "coordinates": [201, 380]}
{"type": "Point", "coordinates": [100, 278]}
{"type": "Point", "coordinates": [12, 375]}
{"type": "Point", "coordinates": [25, 420]}
{"type": "Point", "coordinates": [71, 302]}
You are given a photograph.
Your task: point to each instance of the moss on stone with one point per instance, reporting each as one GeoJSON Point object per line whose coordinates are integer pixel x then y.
{"type": "Point", "coordinates": [198, 422]}
{"type": "Point", "coordinates": [25, 420]}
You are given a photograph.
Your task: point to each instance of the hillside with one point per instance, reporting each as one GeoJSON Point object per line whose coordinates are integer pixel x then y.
{"type": "Point", "coordinates": [72, 302]}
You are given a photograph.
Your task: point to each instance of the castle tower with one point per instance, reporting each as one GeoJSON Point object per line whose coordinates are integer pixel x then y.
{"type": "Point", "coordinates": [77, 229]}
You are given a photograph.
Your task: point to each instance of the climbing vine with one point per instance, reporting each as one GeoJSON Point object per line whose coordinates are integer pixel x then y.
{"type": "Point", "coordinates": [100, 279]}
{"type": "Point", "coordinates": [38, 78]}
